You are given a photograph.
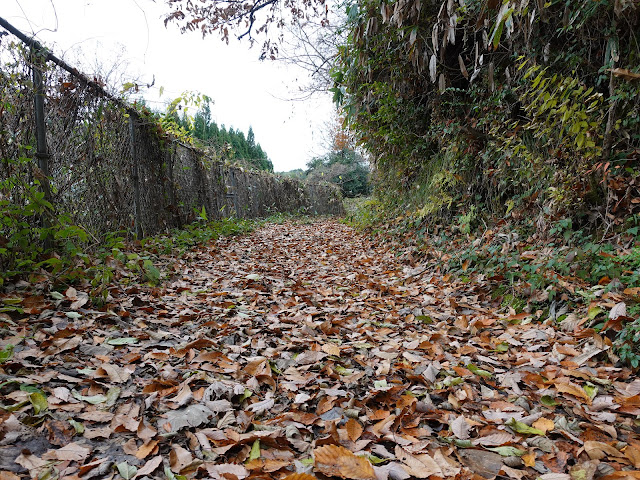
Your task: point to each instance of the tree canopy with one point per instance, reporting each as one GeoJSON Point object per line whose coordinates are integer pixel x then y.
{"type": "Point", "coordinates": [229, 144]}
{"type": "Point", "coordinates": [247, 18]}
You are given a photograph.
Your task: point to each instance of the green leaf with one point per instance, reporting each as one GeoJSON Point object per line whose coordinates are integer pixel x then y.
{"type": "Point", "coordinates": [247, 393]}
{"type": "Point", "coordinates": [478, 371]}
{"type": "Point", "coordinates": [121, 341]}
{"type": "Point", "coordinates": [126, 471]}
{"type": "Point", "coordinates": [39, 402]}
{"type": "Point", "coordinates": [452, 381]}
{"type": "Point", "coordinates": [14, 407]}
{"type": "Point", "coordinates": [29, 388]}
{"type": "Point", "coordinates": [591, 390]}
{"type": "Point", "coordinates": [376, 460]}
{"type": "Point", "coordinates": [12, 301]}
{"type": "Point", "coordinates": [426, 319]}
{"type": "Point", "coordinates": [594, 312]}
{"type": "Point", "coordinates": [508, 451]}
{"type": "Point", "coordinates": [340, 370]}
{"type": "Point", "coordinates": [255, 450]}
{"type": "Point", "coordinates": [73, 315]}
{"type": "Point", "coordinates": [172, 476]}
{"type": "Point", "coordinates": [112, 395]}
{"type": "Point", "coordinates": [77, 426]}
{"type": "Point", "coordinates": [458, 442]}
{"type": "Point", "coordinates": [523, 428]}
{"type": "Point", "coordinates": [93, 399]}
{"type": "Point", "coordinates": [307, 461]}
{"type": "Point", "coordinates": [57, 295]}
{"type": "Point", "coordinates": [502, 347]}
{"type": "Point", "coordinates": [548, 401]}
{"type": "Point", "coordinates": [380, 384]}
{"type": "Point", "coordinates": [6, 353]}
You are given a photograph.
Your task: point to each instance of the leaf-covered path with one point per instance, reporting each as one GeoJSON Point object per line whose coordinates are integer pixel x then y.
{"type": "Point", "coordinates": [306, 348]}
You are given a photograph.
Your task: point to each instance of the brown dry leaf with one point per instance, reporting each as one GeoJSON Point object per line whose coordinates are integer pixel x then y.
{"type": "Point", "coordinates": [34, 464]}
{"type": "Point", "coordinates": [544, 424]}
{"type": "Point", "coordinates": [420, 466]}
{"type": "Point", "coordinates": [633, 454]}
{"type": "Point", "coordinates": [146, 431]}
{"type": "Point", "coordinates": [354, 429]}
{"type": "Point", "coordinates": [331, 349]}
{"type": "Point", "coordinates": [574, 390]}
{"type": "Point", "coordinates": [448, 466]}
{"type": "Point", "coordinates": [149, 467]}
{"type": "Point", "coordinates": [618, 310]}
{"type": "Point", "coordinates": [460, 428]}
{"type": "Point", "coordinates": [4, 475]}
{"type": "Point", "coordinates": [516, 474]}
{"type": "Point", "coordinates": [72, 452]}
{"type": "Point", "coordinates": [494, 440]}
{"type": "Point", "coordinates": [267, 465]}
{"type": "Point", "coordinates": [338, 461]}
{"type": "Point", "coordinates": [599, 450]}
{"type": "Point", "coordinates": [300, 476]}
{"type": "Point", "coordinates": [622, 475]}
{"type": "Point", "coordinates": [486, 464]}
{"type": "Point", "coordinates": [114, 373]}
{"type": "Point", "coordinates": [146, 449]}
{"type": "Point", "coordinates": [625, 73]}
{"type": "Point", "coordinates": [179, 458]}
{"type": "Point", "coordinates": [226, 471]}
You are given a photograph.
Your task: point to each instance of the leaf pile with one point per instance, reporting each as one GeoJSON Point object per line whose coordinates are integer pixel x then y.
{"type": "Point", "coordinates": [306, 351]}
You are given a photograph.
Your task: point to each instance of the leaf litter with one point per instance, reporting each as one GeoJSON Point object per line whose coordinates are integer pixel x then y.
{"type": "Point", "coordinates": [306, 351]}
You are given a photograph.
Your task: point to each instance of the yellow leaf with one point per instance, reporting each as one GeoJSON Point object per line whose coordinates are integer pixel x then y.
{"type": "Point", "coordinates": [529, 459]}
{"type": "Point", "coordinates": [544, 424]}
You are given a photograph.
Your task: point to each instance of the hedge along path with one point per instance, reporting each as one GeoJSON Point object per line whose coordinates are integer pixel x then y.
{"type": "Point", "coordinates": [311, 349]}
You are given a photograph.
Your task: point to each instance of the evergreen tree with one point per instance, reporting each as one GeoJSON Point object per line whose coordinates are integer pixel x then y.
{"type": "Point", "coordinates": [231, 143]}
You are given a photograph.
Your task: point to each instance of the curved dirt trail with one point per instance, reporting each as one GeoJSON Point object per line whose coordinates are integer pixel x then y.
{"type": "Point", "coordinates": [309, 348]}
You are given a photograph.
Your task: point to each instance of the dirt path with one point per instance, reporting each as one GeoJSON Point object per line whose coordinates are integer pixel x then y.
{"type": "Point", "coordinates": [296, 347]}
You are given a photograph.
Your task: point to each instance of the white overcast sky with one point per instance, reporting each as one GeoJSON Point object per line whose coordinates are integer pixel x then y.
{"type": "Point", "coordinates": [246, 92]}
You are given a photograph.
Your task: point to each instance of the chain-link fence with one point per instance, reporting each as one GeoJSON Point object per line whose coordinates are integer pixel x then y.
{"type": "Point", "coordinates": [108, 166]}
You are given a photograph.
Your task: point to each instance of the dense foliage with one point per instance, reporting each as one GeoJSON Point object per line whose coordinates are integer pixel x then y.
{"type": "Point", "coordinates": [497, 104]}
{"type": "Point", "coordinates": [345, 167]}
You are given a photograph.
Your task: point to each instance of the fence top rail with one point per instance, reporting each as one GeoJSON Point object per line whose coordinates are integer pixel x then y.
{"type": "Point", "coordinates": [49, 56]}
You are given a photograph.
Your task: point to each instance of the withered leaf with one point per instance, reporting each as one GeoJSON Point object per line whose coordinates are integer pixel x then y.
{"type": "Point", "coordinates": [338, 461]}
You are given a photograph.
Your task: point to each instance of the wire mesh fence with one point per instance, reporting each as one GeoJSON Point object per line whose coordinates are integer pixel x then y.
{"type": "Point", "coordinates": [108, 167]}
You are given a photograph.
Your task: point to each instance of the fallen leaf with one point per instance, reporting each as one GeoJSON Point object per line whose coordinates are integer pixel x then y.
{"type": "Point", "coordinates": [71, 452]}
{"type": "Point", "coordinates": [544, 425]}
{"type": "Point", "coordinates": [337, 461]}
{"type": "Point", "coordinates": [149, 467]}
{"type": "Point", "coordinates": [354, 429]}
{"type": "Point", "coordinates": [485, 464]}
{"type": "Point", "coordinates": [419, 466]}
{"type": "Point", "coordinates": [599, 450]}
{"type": "Point", "coordinates": [460, 428]}
{"type": "Point", "coordinates": [191, 416]}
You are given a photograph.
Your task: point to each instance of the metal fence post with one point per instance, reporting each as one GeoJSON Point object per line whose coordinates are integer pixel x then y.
{"type": "Point", "coordinates": [234, 183]}
{"type": "Point", "coordinates": [42, 155]}
{"type": "Point", "coordinates": [135, 177]}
